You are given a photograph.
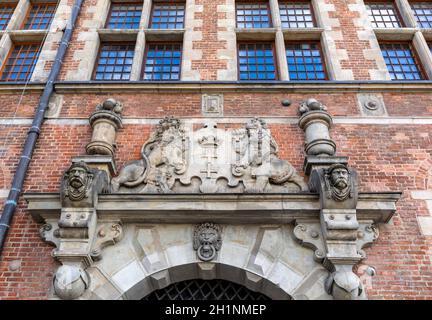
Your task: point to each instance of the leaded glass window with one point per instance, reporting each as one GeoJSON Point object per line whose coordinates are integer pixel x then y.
{"type": "Point", "coordinates": [163, 61]}
{"type": "Point", "coordinates": [124, 16]}
{"type": "Point", "coordinates": [253, 15]}
{"type": "Point", "coordinates": [296, 15]}
{"type": "Point", "coordinates": [40, 16]}
{"type": "Point", "coordinates": [6, 12]}
{"type": "Point", "coordinates": [115, 62]}
{"type": "Point", "coordinates": [167, 16]}
{"type": "Point", "coordinates": [423, 13]}
{"type": "Point", "coordinates": [256, 61]}
{"type": "Point", "coordinates": [305, 61]}
{"type": "Point", "coordinates": [21, 62]}
{"type": "Point", "coordinates": [401, 62]}
{"type": "Point", "coordinates": [383, 15]}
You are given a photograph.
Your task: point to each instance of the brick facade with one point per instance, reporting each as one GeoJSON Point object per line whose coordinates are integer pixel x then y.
{"type": "Point", "coordinates": [390, 153]}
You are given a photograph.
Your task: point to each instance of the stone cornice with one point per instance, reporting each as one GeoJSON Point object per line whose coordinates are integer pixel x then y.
{"type": "Point", "coordinates": [278, 86]}
{"type": "Point", "coordinates": [220, 208]}
{"type": "Point", "coordinates": [221, 87]}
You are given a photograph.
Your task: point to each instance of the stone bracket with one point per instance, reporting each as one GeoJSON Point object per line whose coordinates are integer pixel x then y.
{"type": "Point", "coordinates": [309, 235]}
{"type": "Point", "coordinates": [108, 233]}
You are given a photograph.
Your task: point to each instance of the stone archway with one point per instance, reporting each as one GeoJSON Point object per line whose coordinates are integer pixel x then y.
{"type": "Point", "coordinates": [265, 259]}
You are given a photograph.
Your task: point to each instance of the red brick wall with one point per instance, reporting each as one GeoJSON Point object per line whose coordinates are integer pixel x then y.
{"type": "Point", "coordinates": [387, 158]}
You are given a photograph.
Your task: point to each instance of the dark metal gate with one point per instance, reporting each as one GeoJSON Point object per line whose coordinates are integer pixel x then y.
{"type": "Point", "coordinates": [198, 289]}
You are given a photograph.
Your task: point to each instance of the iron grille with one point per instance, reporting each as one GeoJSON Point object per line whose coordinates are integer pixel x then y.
{"type": "Point", "coordinates": [198, 289]}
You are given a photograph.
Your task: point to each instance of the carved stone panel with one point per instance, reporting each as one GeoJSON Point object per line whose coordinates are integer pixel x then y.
{"type": "Point", "coordinates": [212, 105]}
{"type": "Point", "coordinates": [209, 160]}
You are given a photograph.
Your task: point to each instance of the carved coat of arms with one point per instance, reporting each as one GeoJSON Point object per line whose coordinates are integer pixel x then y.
{"type": "Point", "coordinates": [209, 160]}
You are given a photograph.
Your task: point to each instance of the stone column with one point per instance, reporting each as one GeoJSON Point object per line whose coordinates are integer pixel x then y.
{"type": "Point", "coordinates": [105, 121]}
{"type": "Point", "coordinates": [140, 44]}
{"type": "Point", "coordinates": [279, 41]}
{"type": "Point", "coordinates": [423, 52]}
{"type": "Point", "coordinates": [316, 122]}
{"type": "Point", "coordinates": [406, 13]}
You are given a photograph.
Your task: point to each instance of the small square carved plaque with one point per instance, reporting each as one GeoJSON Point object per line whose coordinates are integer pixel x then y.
{"type": "Point", "coordinates": [212, 104]}
{"type": "Point", "coordinates": [371, 105]}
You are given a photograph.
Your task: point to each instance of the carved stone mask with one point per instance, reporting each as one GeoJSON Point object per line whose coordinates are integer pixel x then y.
{"type": "Point", "coordinates": [339, 178]}
{"type": "Point", "coordinates": [207, 241]}
{"type": "Point", "coordinates": [78, 179]}
{"type": "Point", "coordinates": [338, 181]}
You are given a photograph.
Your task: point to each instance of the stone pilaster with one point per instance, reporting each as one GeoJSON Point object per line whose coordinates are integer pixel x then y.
{"type": "Point", "coordinates": [331, 34]}
{"type": "Point", "coordinates": [52, 41]}
{"type": "Point", "coordinates": [193, 33]}
{"type": "Point", "coordinates": [366, 33]}
{"type": "Point", "coordinates": [226, 33]}
{"type": "Point", "coordinates": [93, 18]}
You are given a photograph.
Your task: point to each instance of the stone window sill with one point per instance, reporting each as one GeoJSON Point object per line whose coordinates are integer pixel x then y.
{"type": "Point", "coordinates": [117, 35]}
{"type": "Point", "coordinates": [302, 34]}
{"type": "Point", "coordinates": [156, 35]}
{"type": "Point", "coordinates": [257, 34]}
{"type": "Point", "coordinates": [27, 35]}
{"type": "Point", "coordinates": [395, 34]}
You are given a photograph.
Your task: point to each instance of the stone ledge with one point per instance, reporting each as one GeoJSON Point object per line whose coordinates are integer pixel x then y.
{"type": "Point", "coordinates": [395, 34]}
{"type": "Point", "coordinates": [236, 86]}
{"type": "Point", "coordinates": [302, 33]}
{"type": "Point", "coordinates": [164, 35]}
{"type": "Point", "coordinates": [220, 208]}
{"type": "Point", "coordinates": [67, 87]}
{"type": "Point", "coordinates": [18, 36]}
{"type": "Point", "coordinates": [257, 34]}
{"type": "Point", "coordinates": [117, 35]}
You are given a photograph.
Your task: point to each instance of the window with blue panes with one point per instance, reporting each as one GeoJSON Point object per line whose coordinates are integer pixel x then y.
{"type": "Point", "coordinates": [384, 14]}
{"type": "Point", "coordinates": [423, 13]}
{"type": "Point", "coordinates": [162, 62]}
{"type": "Point", "coordinates": [124, 16]}
{"type": "Point", "coordinates": [253, 15]}
{"type": "Point", "coordinates": [40, 16]}
{"type": "Point", "coordinates": [256, 61]}
{"type": "Point", "coordinates": [6, 12]}
{"type": "Point", "coordinates": [21, 62]}
{"type": "Point", "coordinates": [296, 14]}
{"type": "Point", "coordinates": [167, 16]}
{"type": "Point", "coordinates": [402, 64]}
{"type": "Point", "coordinates": [305, 61]}
{"type": "Point", "coordinates": [115, 62]}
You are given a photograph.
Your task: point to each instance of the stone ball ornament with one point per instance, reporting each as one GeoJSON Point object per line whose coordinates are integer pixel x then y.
{"type": "Point", "coordinates": [344, 285]}
{"type": "Point", "coordinates": [70, 282]}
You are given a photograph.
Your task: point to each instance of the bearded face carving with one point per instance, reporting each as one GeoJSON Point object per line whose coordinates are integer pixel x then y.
{"type": "Point", "coordinates": [78, 180]}
{"type": "Point", "coordinates": [338, 182]}
{"type": "Point", "coordinates": [207, 241]}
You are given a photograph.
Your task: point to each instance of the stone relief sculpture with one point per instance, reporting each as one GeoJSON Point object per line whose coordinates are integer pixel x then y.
{"type": "Point", "coordinates": [209, 160]}
{"type": "Point", "coordinates": [81, 184]}
{"type": "Point", "coordinates": [163, 155]}
{"type": "Point", "coordinates": [207, 240]}
{"type": "Point", "coordinates": [338, 182]}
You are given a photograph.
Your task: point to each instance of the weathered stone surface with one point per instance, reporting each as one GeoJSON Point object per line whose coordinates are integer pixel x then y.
{"type": "Point", "coordinates": [105, 121]}
{"type": "Point", "coordinates": [210, 160]}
